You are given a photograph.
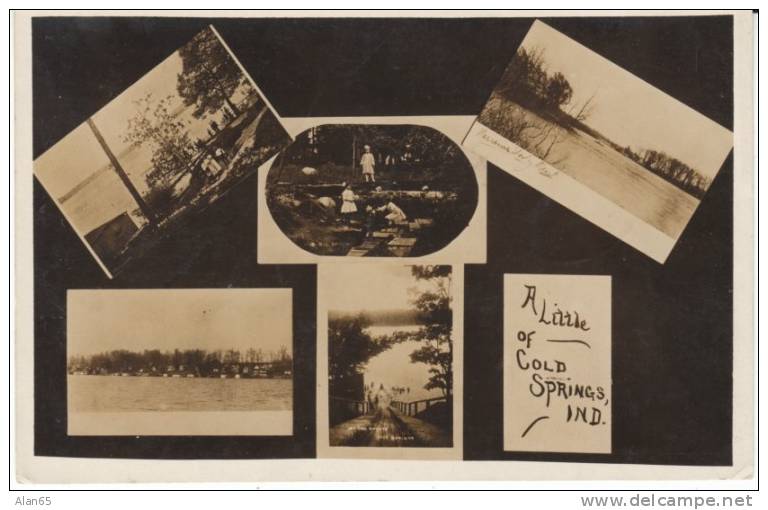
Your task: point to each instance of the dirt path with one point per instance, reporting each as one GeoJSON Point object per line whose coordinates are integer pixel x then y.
{"type": "Point", "coordinates": [387, 428]}
{"type": "Point", "coordinates": [383, 428]}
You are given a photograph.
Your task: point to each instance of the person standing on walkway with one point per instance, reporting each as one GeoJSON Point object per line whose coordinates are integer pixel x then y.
{"type": "Point", "coordinates": [368, 163]}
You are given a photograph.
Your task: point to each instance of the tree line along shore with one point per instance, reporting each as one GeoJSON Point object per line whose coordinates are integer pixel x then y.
{"type": "Point", "coordinates": [253, 363]}
{"type": "Point", "coordinates": [528, 83]}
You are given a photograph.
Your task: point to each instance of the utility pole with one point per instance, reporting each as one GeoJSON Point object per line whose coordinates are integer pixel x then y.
{"type": "Point", "coordinates": [145, 209]}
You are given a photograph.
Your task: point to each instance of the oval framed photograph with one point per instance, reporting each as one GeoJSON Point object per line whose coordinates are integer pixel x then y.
{"type": "Point", "coordinates": [372, 189]}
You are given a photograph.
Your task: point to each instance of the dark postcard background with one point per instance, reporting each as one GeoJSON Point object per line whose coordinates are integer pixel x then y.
{"type": "Point", "coordinates": [672, 323]}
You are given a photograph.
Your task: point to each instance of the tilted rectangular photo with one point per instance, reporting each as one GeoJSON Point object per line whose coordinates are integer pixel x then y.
{"type": "Point", "coordinates": [168, 146]}
{"type": "Point", "coordinates": [391, 359]}
{"type": "Point", "coordinates": [599, 140]}
{"type": "Point", "coordinates": [194, 362]}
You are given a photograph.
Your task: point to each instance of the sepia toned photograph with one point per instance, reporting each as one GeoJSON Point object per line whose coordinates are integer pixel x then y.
{"type": "Point", "coordinates": [390, 358]}
{"type": "Point", "coordinates": [179, 362]}
{"type": "Point", "coordinates": [615, 149]}
{"type": "Point", "coordinates": [209, 291]}
{"type": "Point", "coordinates": [558, 384]}
{"type": "Point", "coordinates": [171, 144]}
{"type": "Point", "coordinates": [372, 190]}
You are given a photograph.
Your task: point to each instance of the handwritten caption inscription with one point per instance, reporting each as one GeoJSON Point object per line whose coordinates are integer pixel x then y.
{"type": "Point", "coordinates": [497, 148]}
{"type": "Point", "coordinates": [557, 363]}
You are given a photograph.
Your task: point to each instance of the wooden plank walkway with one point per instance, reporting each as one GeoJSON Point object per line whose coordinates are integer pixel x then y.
{"type": "Point", "coordinates": [400, 238]}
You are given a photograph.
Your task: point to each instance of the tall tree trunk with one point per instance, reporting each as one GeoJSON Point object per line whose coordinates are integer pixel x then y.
{"type": "Point", "coordinates": [221, 88]}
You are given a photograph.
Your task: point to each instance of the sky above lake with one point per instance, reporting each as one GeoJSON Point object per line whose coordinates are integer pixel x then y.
{"type": "Point", "coordinates": [167, 319]}
{"type": "Point", "coordinates": [359, 287]}
{"type": "Point", "coordinates": [78, 155]}
{"type": "Point", "coordinates": [628, 110]}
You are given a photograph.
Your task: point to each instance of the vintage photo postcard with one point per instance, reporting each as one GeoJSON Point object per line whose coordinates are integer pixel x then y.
{"type": "Point", "coordinates": [212, 382]}
{"type": "Point", "coordinates": [171, 144]}
{"type": "Point", "coordinates": [389, 362]}
{"type": "Point", "coordinates": [192, 362]}
{"type": "Point", "coordinates": [557, 363]}
{"type": "Point", "coordinates": [600, 141]}
{"type": "Point", "coordinates": [373, 189]}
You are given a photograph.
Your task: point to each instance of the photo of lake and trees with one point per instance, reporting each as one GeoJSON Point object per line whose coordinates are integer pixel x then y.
{"type": "Point", "coordinates": [180, 362]}
{"type": "Point", "coordinates": [628, 145]}
{"type": "Point", "coordinates": [391, 357]}
{"type": "Point", "coordinates": [164, 149]}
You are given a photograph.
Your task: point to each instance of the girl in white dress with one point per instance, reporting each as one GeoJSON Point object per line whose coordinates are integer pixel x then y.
{"type": "Point", "coordinates": [348, 206]}
{"type": "Point", "coordinates": [368, 162]}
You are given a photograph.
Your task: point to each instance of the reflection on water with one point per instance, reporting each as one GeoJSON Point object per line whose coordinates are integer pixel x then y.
{"type": "Point", "coordinates": [88, 393]}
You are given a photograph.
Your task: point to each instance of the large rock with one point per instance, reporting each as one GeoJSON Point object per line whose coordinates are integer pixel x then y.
{"type": "Point", "coordinates": [326, 202]}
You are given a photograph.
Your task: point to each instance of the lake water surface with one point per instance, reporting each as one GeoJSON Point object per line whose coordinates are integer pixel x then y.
{"type": "Point", "coordinates": [605, 171]}
{"type": "Point", "coordinates": [394, 368]}
{"type": "Point", "coordinates": [89, 393]}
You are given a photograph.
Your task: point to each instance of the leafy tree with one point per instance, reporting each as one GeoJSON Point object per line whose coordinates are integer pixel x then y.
{"type": "Point", "coordinates": [166, 133]}
{"type": "Point", "coordinates": [434, 148]}
{"type": "Point", "coordinates": [349, 349]}
{"type": "Point", "coordinates": [525, 77]}
{"type": "Point", "coordinates": [559, 91]}
{"type": "Point", "coordinates": [231, 356]}
{"type": "Point", "coordinates": [209, 76]}
{"type": "Point", "coordinates": [434, 307]}
{"type": "Point", "coordinates": [526, 80]}
{"type": "Point", "coordinates": [349, 346]}
{"type": "Point", "coordinates": [211, 362]}
{"type": "Point", "coordinates": [675, 171]}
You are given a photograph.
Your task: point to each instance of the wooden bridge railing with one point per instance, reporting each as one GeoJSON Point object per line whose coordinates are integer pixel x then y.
{"type": "Point", "coordinates": [416, 406]}
{"type": "Point", "coordinates": [349, 406]}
